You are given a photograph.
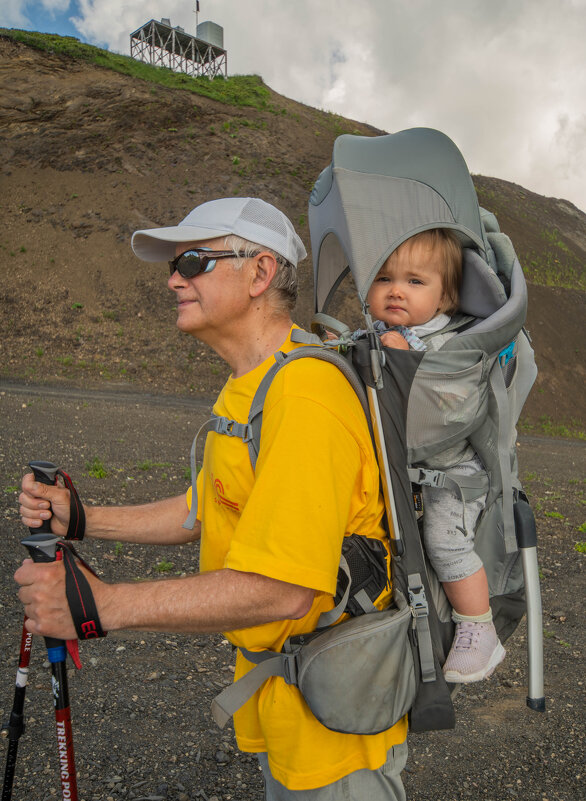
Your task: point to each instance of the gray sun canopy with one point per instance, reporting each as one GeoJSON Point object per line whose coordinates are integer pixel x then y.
{"type": "Point", "coordinates": [379, 191]}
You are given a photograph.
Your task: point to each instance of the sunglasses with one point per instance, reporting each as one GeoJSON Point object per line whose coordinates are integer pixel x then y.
{"type": "Point", "coordinates": [200, 260]}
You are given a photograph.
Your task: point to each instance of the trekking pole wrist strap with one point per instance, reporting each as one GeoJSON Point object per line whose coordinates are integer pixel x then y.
{"type": "Point", "coordinates": [76, 528]}
{"type": "Point", "coordinates": [47, 473]}
{"type": "Point", "coordinates": [80, 597]}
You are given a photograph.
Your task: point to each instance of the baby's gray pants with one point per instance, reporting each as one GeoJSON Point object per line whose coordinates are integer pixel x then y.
{"type": "Point", "coordinates": [450, 550]}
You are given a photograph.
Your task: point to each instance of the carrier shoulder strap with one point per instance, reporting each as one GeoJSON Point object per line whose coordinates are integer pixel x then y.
{"type": "Point", "coordinates": [313, 349]}
{"type": "Point", "coordinates": [250, 432]}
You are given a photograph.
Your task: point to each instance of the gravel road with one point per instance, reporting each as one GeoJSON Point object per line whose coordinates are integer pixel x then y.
{"type": "Point", "coordinates": [141, 703]}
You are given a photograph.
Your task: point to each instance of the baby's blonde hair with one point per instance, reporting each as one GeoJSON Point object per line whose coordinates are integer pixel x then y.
{"type": "Point", "coordinates": [448, 245]}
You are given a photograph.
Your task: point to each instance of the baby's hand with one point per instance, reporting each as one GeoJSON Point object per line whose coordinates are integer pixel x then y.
{"type": "Point", "coordinates": [393, 339]}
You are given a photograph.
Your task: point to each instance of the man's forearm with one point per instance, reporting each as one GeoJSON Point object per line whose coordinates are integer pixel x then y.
{"type": "Point", "coordinates": [157, 523]}
{"type": "Point", "coordinates": [221, 600]}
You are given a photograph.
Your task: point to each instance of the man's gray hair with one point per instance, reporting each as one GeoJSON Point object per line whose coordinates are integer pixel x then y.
{"type": "Point", "coordinates": [284, 284]}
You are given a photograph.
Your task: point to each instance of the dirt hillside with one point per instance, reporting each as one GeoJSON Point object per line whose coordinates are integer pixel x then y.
{"type": "Point", "coordinates": [89, 155]}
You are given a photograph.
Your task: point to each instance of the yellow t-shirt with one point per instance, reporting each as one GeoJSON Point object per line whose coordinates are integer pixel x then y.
{"type": "Point", "coordinates": [316, 480]}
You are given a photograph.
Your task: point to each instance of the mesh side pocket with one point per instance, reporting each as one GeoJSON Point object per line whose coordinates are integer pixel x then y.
{"type": "Point", "coordinates": [444, 405]}
{"type": "Point", "coordinates": [367, 563]}
{"type": "Point", "coordinates": [509, 371]}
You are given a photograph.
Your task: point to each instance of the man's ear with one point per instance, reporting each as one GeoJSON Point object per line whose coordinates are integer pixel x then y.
{"type": "Point", "coordinates": [264, 269]}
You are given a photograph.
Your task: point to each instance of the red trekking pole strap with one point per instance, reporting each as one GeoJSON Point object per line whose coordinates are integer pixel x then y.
{"type": "Point", "coordinates": [76, 529]}
{"type": "Point", "coordinates": [77, 589]}
{"type": "Point", "coordinates": [80, 596]}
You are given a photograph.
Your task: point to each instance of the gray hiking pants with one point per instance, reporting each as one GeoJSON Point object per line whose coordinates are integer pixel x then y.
{"type": "Point", "coordinates": [451, 550]}
{"type": "Point", "coordinates": [384, 784]}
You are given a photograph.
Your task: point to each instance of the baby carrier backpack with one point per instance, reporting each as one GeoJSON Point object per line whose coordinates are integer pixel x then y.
{"type": "Point", "coordinates": [376, 193]}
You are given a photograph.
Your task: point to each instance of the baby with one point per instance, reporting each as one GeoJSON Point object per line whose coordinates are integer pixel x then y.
{"type": "Point", "coordinates": [414, 294]}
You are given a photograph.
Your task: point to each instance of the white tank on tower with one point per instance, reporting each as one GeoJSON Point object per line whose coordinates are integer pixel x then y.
{"type": "Point", "coordinates": [212, 33]}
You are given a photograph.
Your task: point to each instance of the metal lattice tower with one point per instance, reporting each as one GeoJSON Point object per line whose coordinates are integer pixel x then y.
{"type": "Point", "coordinates": [159, 44]}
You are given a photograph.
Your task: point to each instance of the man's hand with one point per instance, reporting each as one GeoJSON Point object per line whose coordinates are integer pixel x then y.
{"type": "Point", "coordinates": [40, 502]}
{"type": "Point", "coordinates": [42, 592]}
{"type": "Point", "coordinates": [393, 339]}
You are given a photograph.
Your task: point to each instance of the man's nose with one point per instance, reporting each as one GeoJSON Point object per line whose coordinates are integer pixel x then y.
{"type": "Point", "coordinates": [175, 281]}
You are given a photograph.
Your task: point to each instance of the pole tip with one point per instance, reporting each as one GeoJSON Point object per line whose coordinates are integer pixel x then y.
{"type": "Point", "coordinates": [537, 704]}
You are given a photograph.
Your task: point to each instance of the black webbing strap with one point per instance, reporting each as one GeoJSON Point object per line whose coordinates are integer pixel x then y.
{"type": "Point", "coordinates": [79, 595]}
{"type": "Point", "coordinates": [76, 528]}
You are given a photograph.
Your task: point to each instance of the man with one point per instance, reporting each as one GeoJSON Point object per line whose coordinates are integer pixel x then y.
{"type": "Point", "coordinates": [270, 538]}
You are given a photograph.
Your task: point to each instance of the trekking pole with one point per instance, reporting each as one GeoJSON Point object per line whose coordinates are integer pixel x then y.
{"type": "Point", "coordinates": [527, 540]}
{"type": "Point", "coordinates": [14, 729]}
{"type": "Point", "coordinates": [43, 548]}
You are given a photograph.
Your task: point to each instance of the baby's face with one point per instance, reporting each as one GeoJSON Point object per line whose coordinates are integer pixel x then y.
{"type": "Point", "coordinates": [408, 289]}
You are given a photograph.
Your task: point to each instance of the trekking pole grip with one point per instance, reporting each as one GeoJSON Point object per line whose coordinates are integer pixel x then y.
{"type": "Point", "coordinates": [45, 473]}
{"type": "Point", "coordinates": [42, 547]}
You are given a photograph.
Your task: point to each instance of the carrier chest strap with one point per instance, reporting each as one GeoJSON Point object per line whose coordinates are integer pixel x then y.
{"type": "Point", "coordinates": [221, 425]}
{"type": "Point", "coordinates": [207, 426]}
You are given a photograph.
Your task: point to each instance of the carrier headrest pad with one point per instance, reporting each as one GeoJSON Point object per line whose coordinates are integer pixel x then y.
{"type": "Point", "coordinates": [481, 293]}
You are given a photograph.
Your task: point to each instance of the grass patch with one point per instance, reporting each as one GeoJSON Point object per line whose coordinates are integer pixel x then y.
{"type": "Point", "coordinates": [148, 465]}
{"type": "Point", "coordinates": [238, 90]}
{"type": "Point", "coordinates": [549, 268]}
{"type": "Point", "coordinates": [96, 468]}
{"type": "Point", "coordinates": [547, 427]}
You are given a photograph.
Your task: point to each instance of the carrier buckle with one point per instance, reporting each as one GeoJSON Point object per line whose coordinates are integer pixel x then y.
{"type": "Point", "coordinates": [418, 601]}
{"type": "Point", "coordinates": [430, 478]}
{"type": "Point", "coordinates": [232, 428]}
{"type": "Point", "coordinates": [289, 668]}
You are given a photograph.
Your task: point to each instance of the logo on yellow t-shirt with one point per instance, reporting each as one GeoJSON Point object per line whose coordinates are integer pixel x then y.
{"type": "Point", "coordinates": [221, 497]}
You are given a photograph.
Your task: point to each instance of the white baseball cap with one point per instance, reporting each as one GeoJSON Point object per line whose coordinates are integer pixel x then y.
{"type": "Point", "coordinates": [247, 217]}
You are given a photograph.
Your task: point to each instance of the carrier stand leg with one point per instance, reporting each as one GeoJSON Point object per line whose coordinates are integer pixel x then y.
{"type": "Point", "coordinates": [527, 540]}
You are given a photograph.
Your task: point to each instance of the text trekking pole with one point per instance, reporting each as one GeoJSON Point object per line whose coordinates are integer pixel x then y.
{"type": "Point", "coordinates": [15, 726]}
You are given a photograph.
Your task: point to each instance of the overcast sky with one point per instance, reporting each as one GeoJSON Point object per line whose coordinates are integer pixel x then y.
{"type": "Point", "coordinates": [505, 79]}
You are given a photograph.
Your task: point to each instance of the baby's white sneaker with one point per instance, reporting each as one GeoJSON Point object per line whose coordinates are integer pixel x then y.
{"type": "Point", "coordinates": [474, 654]}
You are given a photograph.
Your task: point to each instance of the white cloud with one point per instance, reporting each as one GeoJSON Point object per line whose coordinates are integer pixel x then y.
{"type": "Point", "coordinates": [20, 13]}
{"type": "Point", "coordinates": [14, 15]}
{"type": "Point", "coordinates": [505, 80]}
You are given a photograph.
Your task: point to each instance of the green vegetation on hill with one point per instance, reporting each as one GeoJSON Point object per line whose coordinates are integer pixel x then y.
{"type": "Point", "coordinates": [238, 90]}
{"type": "Point", "coordinates": [548, 234]}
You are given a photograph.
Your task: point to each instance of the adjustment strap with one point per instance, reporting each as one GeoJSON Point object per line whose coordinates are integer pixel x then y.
{"type": "Point", "coordinates": [79, 595]}
{"type": "Point", "coordinates": [268, 663]}
{"type": "Point", "coordinates": [76, 528]}
{"type": "Point", "coordinates": [420, 612]}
